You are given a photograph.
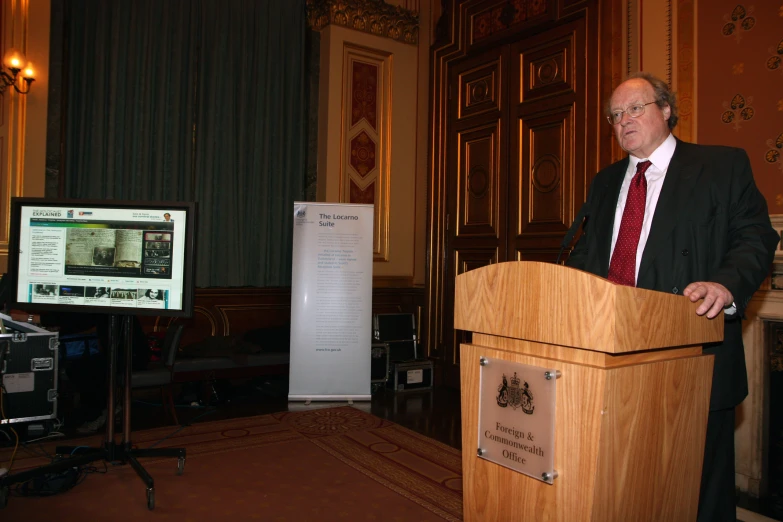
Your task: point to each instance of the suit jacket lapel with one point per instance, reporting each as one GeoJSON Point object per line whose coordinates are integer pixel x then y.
{"type": "Point", "coordinates": [677, 190]}
{"type": "Point", "coordinates": [605, 212]}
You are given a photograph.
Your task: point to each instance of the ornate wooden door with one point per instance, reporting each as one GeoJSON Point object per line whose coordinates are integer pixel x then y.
{"type": "Point", "coordinates": [477, 202]}
{"type": "Point", "coordinates": [517, 137]}
{"type": "Point", "coordinates": [547, 150]}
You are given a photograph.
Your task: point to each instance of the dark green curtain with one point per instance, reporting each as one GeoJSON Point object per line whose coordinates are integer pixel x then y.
{"type": "Point", "coordinates": [194, 100]}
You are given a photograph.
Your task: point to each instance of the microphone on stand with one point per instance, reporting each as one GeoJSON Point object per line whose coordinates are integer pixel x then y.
{"type": "Point", "coordinates": [583, 213]}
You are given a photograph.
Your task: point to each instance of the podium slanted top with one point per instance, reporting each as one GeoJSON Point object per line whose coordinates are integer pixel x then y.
{"type": "Point", "coordinates": [554, 304]}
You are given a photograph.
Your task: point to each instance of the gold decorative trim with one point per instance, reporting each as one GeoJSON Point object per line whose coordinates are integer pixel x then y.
{"type": "Point", "coordinates": [224, 309]}
{"type": "Point", "coordinates": [669, 43]}
{"type": "Point", "coordinates": [15, 21]}
{"type": "Point", "coordinates": [685, 68]}
{"type": "Point", "coordinates": [633, 52]}
{"type": "Point", "coordinates": [369, 16]}
{"type": "Point", "coordinates": [381, 135]}
{"type": "Point", "coordinates": [208, 315]}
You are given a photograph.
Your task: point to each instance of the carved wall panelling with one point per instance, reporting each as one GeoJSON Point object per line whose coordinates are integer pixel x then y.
{"type": "Point", "coordinates": [476, 199]}
{"type": "Point", "coordinates": [478, 206]}
{"type": "Point", "coordinates": [243, 317]}
{"type": "Point", "coordinates": [545, 158]}
{"type": "Point", "coordinates": [472, 258]}
{"type": "Point", "coordinates": [232, 312]}
{"type": "Point", "coordinates": [544, 255]}
{"type": "Point", "coordinates": [490, 21]}
{"type": "Point", "coordinates": [475, 143]}
{"type": "Point", "coordinates": [479, 90]}
{"type": "Point", "coordinates": [547, 171]}
{"type": "Point", "coordinates": [469, 259]}
{"type": "Point", "coordinates": [464, 260]}
{"type": "Point", "coordinates": [612, 70]}
{"type": "Point", "coordinates": [570, 5]}
{"type": "Point", "coordinates": [547, 71]}
{"type": "Point", "coordinates": [367, 137]}
{"type": "Point", "coordinates": [551, 142]}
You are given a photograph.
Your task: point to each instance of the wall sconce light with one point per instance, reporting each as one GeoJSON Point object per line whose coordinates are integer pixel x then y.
{"type": "Point", "coordinates": [15, 61]}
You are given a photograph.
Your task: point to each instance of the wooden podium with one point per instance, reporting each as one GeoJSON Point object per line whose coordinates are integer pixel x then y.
{"type": "Point", "coordinates": [631, 403]}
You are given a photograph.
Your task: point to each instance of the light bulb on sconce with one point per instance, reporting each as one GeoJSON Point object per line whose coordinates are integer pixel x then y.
{"type": "Point", "coordinates": [15, 61]}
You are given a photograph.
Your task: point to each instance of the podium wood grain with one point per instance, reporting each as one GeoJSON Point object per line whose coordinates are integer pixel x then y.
{"type": "Point", "coordinates": [631, 404]}
{"type": "Point", "coordinates": [562, 306]}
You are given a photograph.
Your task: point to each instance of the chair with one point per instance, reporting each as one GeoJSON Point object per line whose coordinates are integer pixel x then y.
{"type": "Point", "coordinates": [162, 376]}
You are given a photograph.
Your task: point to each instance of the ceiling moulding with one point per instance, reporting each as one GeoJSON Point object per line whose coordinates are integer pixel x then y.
{"type": "Point", "coordinates": [369, 16]}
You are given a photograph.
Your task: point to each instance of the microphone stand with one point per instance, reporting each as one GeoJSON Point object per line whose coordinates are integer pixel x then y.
{"type": "Point", "coordinates": [583, 213]}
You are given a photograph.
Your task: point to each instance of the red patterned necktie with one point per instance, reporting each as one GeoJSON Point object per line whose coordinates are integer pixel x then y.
{"type": "Point", "coordinates": [622, 269]}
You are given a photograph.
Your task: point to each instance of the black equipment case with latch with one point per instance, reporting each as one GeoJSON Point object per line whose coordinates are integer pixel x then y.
{"type": "Point", "coordinates": [28, 367]}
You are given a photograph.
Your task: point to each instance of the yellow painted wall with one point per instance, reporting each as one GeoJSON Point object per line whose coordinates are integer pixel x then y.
{"type": "Point", "coordinates": [720, 53]}
{"type": "Point", "coordinates": [404, 113]}
{"type": "Point", "coordinates": [25, 26]}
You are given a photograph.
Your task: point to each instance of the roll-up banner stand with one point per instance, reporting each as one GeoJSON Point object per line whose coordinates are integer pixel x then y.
{"type": "Point", "coordinates": [331, 302]}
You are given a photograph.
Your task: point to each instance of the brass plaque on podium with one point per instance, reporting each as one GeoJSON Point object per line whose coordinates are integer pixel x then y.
{"type": "Point", "coordinates": [517, 417]}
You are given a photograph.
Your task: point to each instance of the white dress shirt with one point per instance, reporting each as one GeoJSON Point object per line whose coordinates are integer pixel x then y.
{"type": "Point", "coordinates": [655, 174]}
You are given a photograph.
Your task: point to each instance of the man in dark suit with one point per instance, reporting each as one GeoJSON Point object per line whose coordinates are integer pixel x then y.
{"type": "Point", "coordinates": [686, 219]}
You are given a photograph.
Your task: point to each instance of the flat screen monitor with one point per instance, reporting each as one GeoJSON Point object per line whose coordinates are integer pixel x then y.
{"type": "Point", "coordinates": [115, 257]}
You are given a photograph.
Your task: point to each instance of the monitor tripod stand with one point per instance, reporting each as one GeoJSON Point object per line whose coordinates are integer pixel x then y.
{"type": "Point", "coordinates": [111, 451]}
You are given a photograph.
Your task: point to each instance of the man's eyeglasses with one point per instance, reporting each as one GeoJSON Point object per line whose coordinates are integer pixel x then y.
{"type": "Point", "coordinates": [634, 111]}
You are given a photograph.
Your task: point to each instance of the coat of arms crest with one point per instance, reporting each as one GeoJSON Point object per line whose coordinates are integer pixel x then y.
{"type": "Point", "coordinates": [511, 394]}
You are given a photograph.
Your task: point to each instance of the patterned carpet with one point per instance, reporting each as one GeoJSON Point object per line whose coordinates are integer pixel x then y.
{"type": "Point", "coordinates": [320, 464]}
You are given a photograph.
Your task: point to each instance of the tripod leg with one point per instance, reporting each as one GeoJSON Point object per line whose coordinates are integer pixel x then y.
{"type": "Point", "coordinates": [146, 478]}
{"type": "Point", "coordinates": [126, 421]}
{"type": "Point", "coordinates": [111, 371]}
{"type": "Point", "coordinates": [169, 399]}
